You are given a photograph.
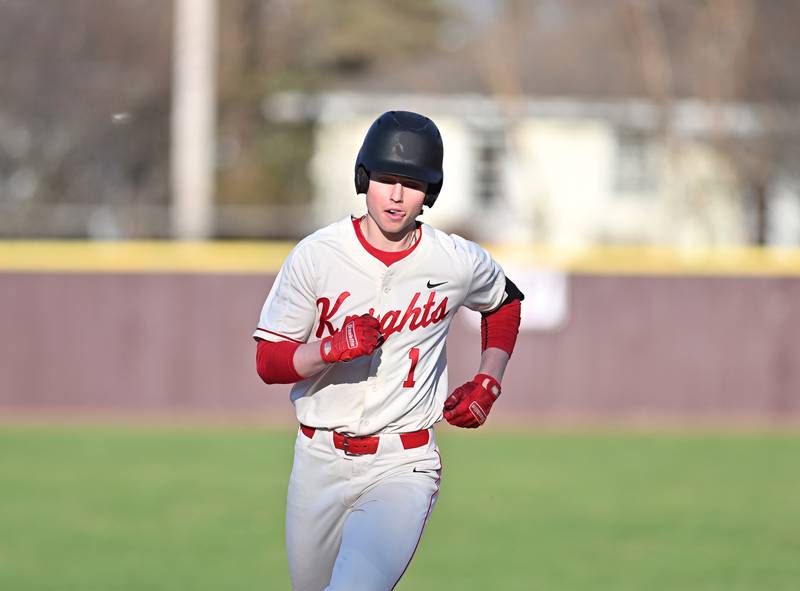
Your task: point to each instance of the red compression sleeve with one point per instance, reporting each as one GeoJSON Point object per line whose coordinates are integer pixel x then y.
{"type": "Point", "coordinates": [500, 328]}
{"type": "Point", "coordinates": [275, 362]}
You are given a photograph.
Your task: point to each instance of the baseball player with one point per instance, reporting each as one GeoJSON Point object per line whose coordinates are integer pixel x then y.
{"type": "Point", "coordinates": [357, 320]}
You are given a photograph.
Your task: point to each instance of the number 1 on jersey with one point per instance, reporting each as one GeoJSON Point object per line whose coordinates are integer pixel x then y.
{"type": "Point", "coordinates": [413, 354]}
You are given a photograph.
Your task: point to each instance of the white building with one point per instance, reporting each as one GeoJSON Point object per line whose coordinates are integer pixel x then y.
{"type": "Point", "coordinates": [563, 172]}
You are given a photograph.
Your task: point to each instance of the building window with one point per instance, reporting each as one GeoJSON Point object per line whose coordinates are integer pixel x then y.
{"type": "Point", "coordinates": [489, 154]}
{"type": "Point", "coordinates": [635, 166]}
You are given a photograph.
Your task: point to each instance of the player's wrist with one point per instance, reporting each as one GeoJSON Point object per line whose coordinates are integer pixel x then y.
{"type": "Point", "coordinates": [489, 383]}
{"type": "Point", "coordinates": [326, 350]}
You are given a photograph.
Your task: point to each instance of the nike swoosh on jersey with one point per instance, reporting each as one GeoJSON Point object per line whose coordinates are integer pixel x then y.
{"type": "Point", "coordinates": [432, 285]}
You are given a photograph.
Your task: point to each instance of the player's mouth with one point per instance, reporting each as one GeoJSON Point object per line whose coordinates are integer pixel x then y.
{"type": "Point", "coordinates": [395, 214]}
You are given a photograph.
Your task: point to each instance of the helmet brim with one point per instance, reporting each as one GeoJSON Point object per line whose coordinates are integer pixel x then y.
{"type": "Point", "coordinates": [405, 169]}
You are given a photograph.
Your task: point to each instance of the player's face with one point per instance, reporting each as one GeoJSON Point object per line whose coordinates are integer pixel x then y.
{"type": "Point", "coordinates": [394, 202]}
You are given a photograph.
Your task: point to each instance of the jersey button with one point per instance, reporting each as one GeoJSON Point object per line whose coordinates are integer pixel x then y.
{"type": "Point", "coordinates": [387, 289]}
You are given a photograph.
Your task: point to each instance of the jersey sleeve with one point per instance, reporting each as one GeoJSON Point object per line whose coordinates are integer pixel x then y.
{"type": "Point", "coordinates": [290, 308]}
{"type": "Point", "coordinates": [486, 280]}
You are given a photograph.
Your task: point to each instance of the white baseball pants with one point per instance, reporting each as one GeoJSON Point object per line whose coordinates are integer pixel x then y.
{"type": "Point", "coordinates": [354, 522]}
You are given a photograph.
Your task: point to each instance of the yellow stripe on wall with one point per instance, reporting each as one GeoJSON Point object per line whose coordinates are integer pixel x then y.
{"type": "Point", "coordinates": [650, 260]}
{"type": "Point", "coordinates": [266, 257]}
{"type": "Point", "coordinates": [133, 257]}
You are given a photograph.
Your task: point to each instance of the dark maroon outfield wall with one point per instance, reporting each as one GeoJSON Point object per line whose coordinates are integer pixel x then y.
{"type": "Point", "coordinates": [664, 348]}
{"type": "Point", "coordinates": [634, 347]}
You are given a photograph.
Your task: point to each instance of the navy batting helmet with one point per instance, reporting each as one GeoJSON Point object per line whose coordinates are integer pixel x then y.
{"type": "Point", "coordinates": [406, 144]}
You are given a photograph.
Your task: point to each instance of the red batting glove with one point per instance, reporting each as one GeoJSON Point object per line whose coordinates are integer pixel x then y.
{"type": "Point", "coordinates": [469, 405]}
{"type": "Point", "coordinates": [359, 336]}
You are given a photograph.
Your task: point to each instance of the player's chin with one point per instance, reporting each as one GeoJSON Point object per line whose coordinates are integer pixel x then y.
{"type": "Point", "coordinates": [393, 225]}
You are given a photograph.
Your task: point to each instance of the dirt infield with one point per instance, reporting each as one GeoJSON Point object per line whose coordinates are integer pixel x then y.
{"type": "Point", "coordinates": [635, 347]}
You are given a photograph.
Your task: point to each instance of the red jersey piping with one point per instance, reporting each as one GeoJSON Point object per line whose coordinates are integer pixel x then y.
{"type": "Point", "coordinates": [277, 334]}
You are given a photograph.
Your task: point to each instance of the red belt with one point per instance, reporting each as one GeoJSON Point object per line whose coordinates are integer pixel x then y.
{"type": "Point", "coordinates": [360, 446]}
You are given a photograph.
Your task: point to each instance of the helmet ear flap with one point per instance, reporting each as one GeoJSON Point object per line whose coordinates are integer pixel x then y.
{"type": "Point", "coordinates": [432, 194]}
{"type": "Point", "coordinates": [362, 180]}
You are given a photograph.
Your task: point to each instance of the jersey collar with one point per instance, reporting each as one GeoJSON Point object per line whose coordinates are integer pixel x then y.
{"type": "Point", "coordinates": [386, 257]}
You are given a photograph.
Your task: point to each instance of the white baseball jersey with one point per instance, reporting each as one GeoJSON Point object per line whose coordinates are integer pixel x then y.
{"type": "Point", "coordinates": [330, 276]}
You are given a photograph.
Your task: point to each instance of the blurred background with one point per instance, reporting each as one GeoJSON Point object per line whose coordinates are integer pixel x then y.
{"type": "Point", "coordinates": [633, 164]}
{"type": "Point", "coordinates": [621, 122]}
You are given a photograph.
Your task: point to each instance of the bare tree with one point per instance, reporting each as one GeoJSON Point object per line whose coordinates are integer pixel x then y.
{"type": "Point", "coordinates": [736, 56]}
{"type": "Point", "coordinates": [90, 93]}
{"type": "Point", "coordinates": [304, 46]}
{"type": "Point", "coordinates": [715, 51]}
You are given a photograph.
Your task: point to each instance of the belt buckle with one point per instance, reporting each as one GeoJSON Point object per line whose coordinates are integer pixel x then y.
{"type": "Point", "coordinates": [346, 447]}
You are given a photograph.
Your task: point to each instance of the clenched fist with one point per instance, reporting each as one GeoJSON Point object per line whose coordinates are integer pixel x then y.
{"type": "Point", "coordinates": [359, 336]}
{"type": "Point", "coordinates": [469, 405]}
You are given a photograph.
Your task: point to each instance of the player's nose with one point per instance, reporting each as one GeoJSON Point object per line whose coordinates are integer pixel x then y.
{"type": "Point", "coordinates": [397, 192]}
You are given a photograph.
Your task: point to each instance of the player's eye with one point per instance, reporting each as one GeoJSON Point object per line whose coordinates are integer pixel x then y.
{"type": "Point", "coordinates": [407, 183]}
{"type": "Point", "coordinates": [416, 185]}
{"type": "Point", "coordinates": [412, 184]}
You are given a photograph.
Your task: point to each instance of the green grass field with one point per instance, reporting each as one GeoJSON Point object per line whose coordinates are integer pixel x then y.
{"type": "Point", "coordinates": [152, 508]}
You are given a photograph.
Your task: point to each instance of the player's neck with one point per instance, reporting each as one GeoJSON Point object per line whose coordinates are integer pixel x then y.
{"type": "Point", "coordinates": [386, 241]}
